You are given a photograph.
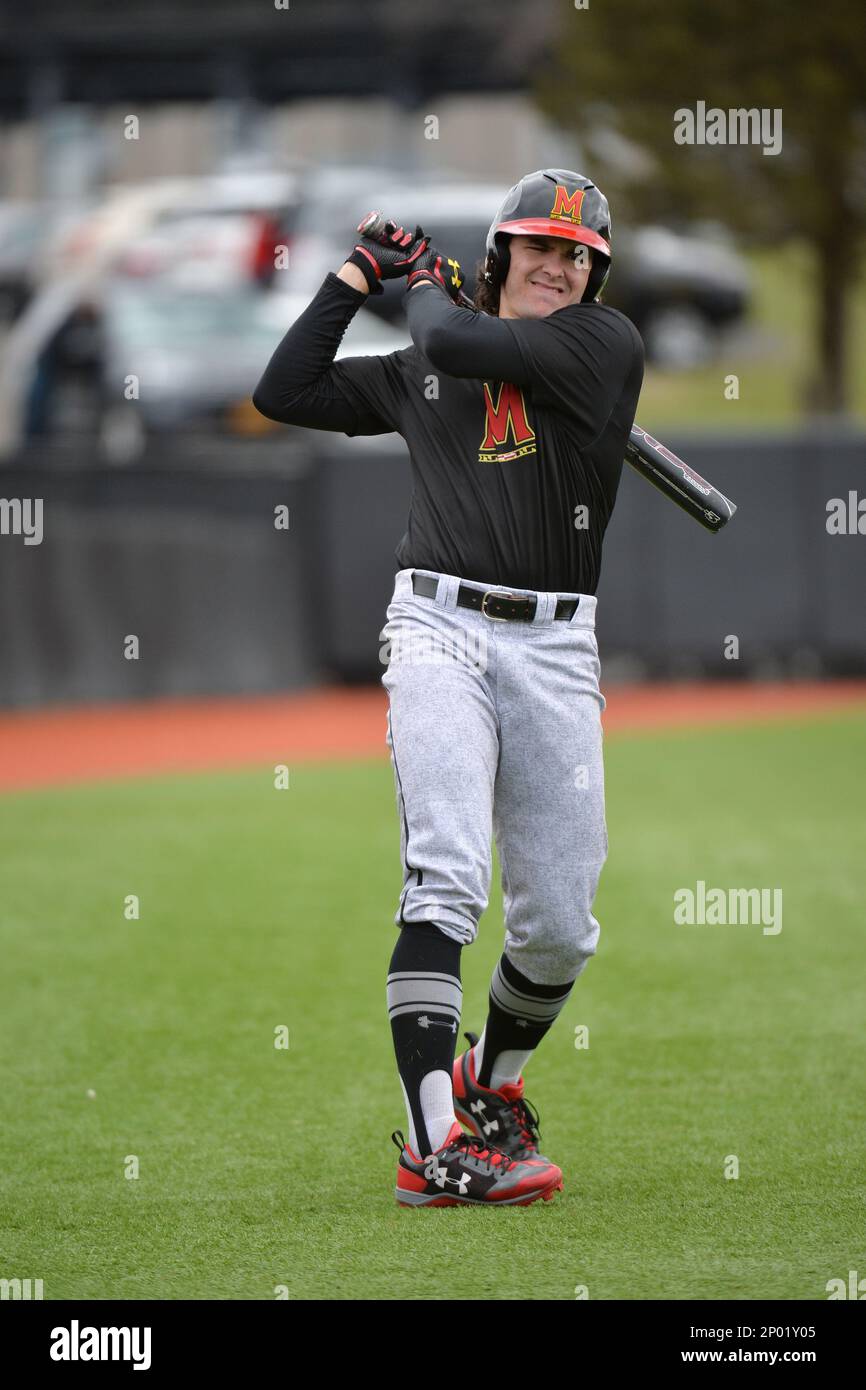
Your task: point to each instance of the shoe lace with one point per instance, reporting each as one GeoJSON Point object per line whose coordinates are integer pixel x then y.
{"type": "Point", "coordinates": [522, 1119]}
{"type": "Point", "coordinates": [478, 1147]}
{"type": "Point", "coordinates": [470, 1143]}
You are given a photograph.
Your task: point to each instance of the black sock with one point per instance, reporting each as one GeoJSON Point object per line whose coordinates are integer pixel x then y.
{"type": "Point", "coordinates": [520, 1013]}
{"type": "Point", "coordinates": [424, 1002]}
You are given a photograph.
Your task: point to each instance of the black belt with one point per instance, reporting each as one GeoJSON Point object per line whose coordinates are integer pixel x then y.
{"type": "Point", "coordinates": [505, 608]}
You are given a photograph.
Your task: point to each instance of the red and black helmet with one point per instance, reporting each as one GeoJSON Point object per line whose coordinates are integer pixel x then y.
{"type": "Point", "coordinates": [554, 202]}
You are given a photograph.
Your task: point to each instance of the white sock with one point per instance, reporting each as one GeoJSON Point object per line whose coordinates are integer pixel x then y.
{"type": "Point", "coordinates": [506, 1068]}
{"type": "Point", "coordinates": [437, 1105]}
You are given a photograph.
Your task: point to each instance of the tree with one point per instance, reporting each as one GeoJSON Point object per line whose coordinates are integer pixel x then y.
{"type": "Point", "coordinates": [632, 64]}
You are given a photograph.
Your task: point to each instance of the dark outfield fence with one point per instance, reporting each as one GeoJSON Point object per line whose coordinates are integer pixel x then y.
{"type": "Point", "coordinates": [182, 552]}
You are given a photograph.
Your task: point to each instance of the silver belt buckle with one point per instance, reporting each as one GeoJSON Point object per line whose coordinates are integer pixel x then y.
{"type": "Point", "coordinates": [491, 593]}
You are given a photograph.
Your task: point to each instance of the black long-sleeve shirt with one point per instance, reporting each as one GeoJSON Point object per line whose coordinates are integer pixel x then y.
{"type": "Point", "coordinates": [516, 427]}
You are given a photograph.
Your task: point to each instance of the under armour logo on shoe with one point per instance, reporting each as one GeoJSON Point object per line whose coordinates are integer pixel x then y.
{"type": "Point", "coordinates": [434, 1173]}
{"type": "Point", "coordinates": [425, 1022]}
{"type": "Point", "coordinates": [478, 1107]}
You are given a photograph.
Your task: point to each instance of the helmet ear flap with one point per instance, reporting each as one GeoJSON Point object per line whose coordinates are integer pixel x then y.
{"type": "Point", "coordinates": [498, 260]}
{"type": "Point", "coordinates": [598, 278]}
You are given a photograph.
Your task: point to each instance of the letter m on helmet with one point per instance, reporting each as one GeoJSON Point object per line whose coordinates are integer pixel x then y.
{"type": "Point", "coordinates": [567, 205]}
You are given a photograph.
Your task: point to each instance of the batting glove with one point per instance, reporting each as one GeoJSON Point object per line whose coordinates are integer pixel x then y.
{"type": "Point", "coordinates": [440, 270]}
{"type": "Point", "coordinates": [388, 259]}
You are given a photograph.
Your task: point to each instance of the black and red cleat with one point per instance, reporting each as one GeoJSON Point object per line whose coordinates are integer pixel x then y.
{"type": "Point", "coordinates": [466, 1172]}
{"type": "Point", "coordinates": [503, 1118]}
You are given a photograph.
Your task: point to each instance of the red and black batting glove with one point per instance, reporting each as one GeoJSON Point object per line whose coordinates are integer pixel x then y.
{"type": "Point", "coordinates": [386, 251]}
{"type": "Point", "coordinates": [440, 270]}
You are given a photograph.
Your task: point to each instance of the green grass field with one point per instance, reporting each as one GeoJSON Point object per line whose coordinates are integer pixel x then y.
{"type": "Point", "coordinates": [261, 1167]}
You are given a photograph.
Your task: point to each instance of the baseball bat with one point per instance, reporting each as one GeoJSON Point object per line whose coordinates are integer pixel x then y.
{"type": "Point", "coordinates": [654, 461]}
{"type": "Point", "coordinates": [677, 481]}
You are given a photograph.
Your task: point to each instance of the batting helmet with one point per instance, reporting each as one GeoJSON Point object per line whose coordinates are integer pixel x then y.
{"type": "Point", "coordinates": [553, 202]}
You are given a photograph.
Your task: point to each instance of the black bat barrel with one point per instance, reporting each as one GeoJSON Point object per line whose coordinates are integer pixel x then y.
{"type": "Point", "coordinates": [677, 481]}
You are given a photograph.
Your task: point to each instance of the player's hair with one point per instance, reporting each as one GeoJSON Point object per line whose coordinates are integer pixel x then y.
{"type": "Point", "coordinates": [486, 293]}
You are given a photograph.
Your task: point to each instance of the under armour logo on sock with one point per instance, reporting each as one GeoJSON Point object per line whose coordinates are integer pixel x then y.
{"type": "Point", "coordinates": [478, 1107]}
{"type": "Point", "coordinates": [425, 1022]}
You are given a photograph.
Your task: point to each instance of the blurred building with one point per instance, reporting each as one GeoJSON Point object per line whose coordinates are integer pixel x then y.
{"type": "Point", "coordinates": [209, 78]}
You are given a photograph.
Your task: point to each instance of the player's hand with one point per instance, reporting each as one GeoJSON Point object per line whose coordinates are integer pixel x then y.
{"type": "Point", "coordinates": [390, 254]}
{"type": "Point", "coordinates": [438, 269]}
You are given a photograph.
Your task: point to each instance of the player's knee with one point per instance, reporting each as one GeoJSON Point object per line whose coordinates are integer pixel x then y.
{"type": "Point", "coordinates": [564, 958]}
{"type": "Point", "coordinates": [558, 947]}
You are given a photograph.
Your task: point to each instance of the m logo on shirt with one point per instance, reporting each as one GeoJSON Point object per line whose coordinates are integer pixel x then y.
{"type": "Point", "coordinates": [506, 423]}
{"type": "Point", "coordinates": [567, 205]}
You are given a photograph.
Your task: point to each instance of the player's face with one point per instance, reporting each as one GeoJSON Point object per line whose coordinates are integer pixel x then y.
{"type": "Point", "coordinates": [544, 274]}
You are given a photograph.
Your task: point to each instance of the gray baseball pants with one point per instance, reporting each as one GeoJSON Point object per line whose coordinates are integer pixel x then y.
{"type": "Point", "coordinates": [495, 726]}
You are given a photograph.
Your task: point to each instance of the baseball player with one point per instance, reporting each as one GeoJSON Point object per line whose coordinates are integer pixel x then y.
{"type": "Point", "coordinates": [516, 412]}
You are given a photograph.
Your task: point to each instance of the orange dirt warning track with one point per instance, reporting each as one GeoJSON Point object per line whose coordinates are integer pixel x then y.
{"type": "Point", "coordinates": [57, 746]}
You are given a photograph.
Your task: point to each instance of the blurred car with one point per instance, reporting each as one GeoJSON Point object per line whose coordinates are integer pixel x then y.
{"type": "Point", "coordinates": [103, 231]}
{"type": "Point", "coordinates": [680, 288]}
{"type": "Point", "coordinates": [209, 233]}
{"type": "Point", "coordinates": [197, 357]}
{"type": "Point", "coordinates": [206, 251]}
{"type": "Point", "coordinates": [456, 213]}
{"type": "Point", "coordinates": [247, 214]}
{"type": "Point", "coordinates": [161, 358]}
